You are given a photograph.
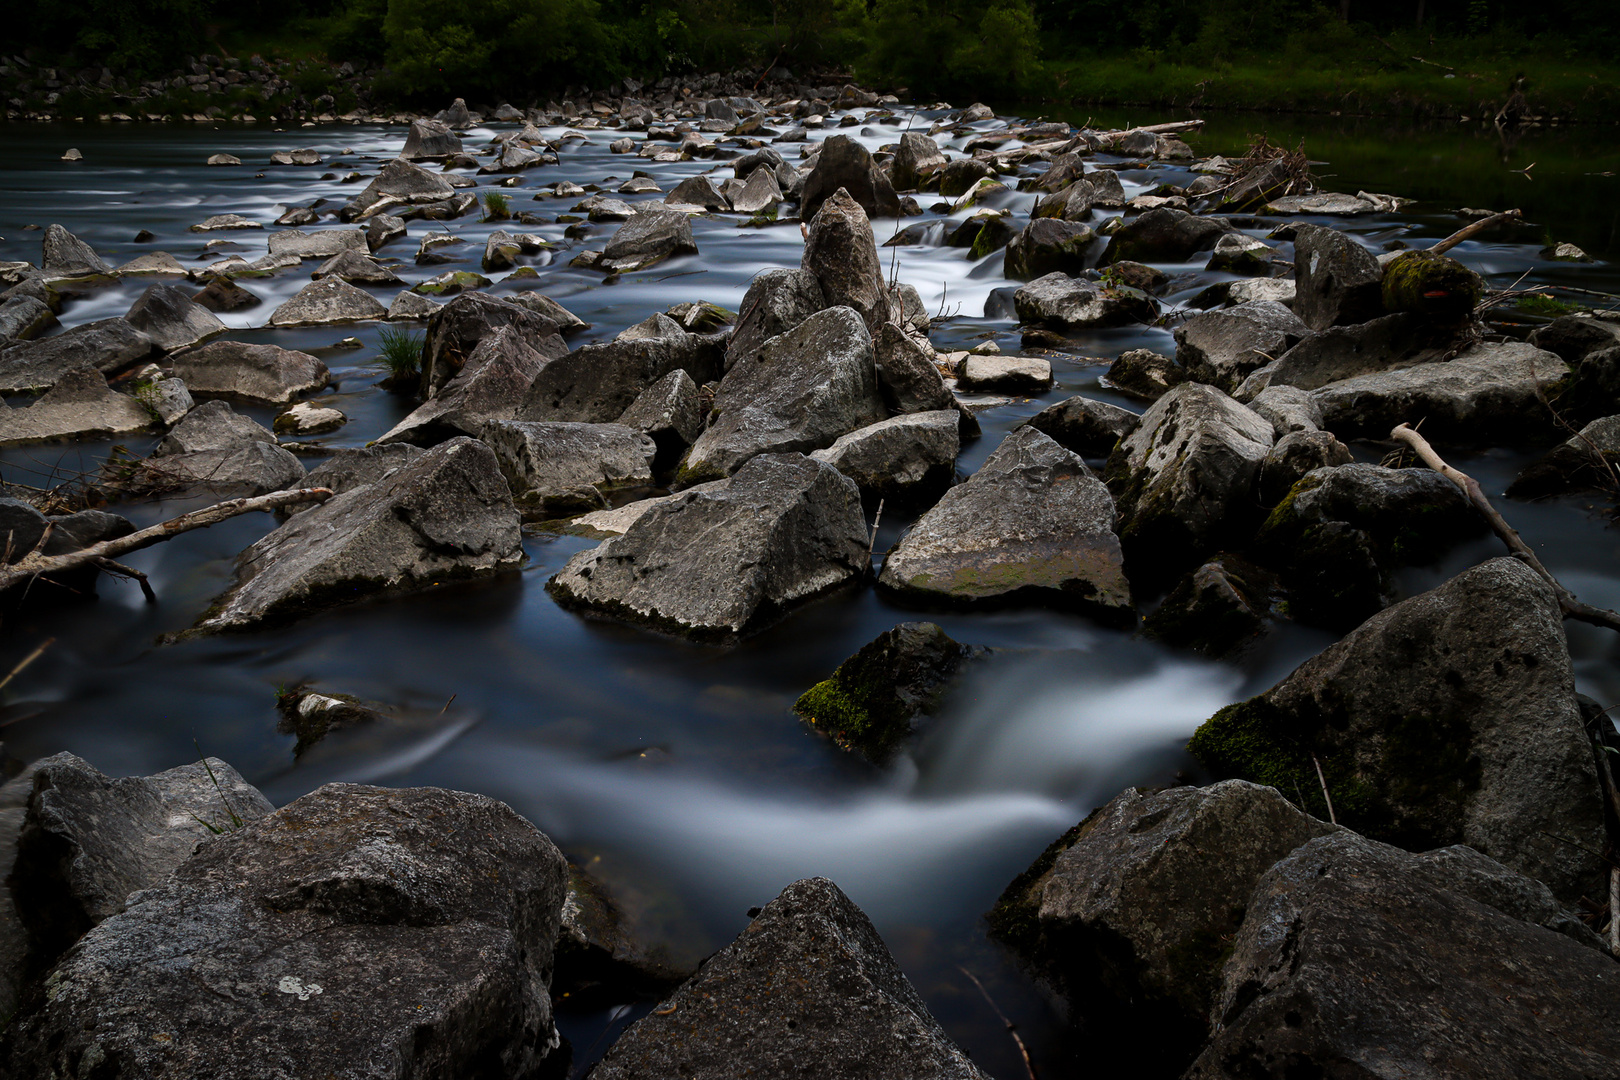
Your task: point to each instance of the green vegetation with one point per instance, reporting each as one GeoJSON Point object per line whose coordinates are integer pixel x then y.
{"type": "Point", "coordinates": [497, 206]}
{"type": "Point", "coordinates": [401, 350]}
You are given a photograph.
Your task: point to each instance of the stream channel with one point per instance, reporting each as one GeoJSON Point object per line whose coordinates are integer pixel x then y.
{"type": "Point", "coordinates": [678, 774]}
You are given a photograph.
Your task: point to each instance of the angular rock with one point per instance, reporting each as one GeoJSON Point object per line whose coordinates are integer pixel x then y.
{"type": "Point", "coordinates": [1337, 281]}
{"type": "Point", "coordinates": [917, 159]}
{"type": "Point", "coordinates": [1084, 426]}
{"type": "Point", "coordinates": [107, 346]}
{"type": "Point", "coordinates": [1448, 718]}
{"type": "Point", "coordinates": [80, 406]}
{"type": "Point", "coordinates": [1143, 373]}
{"type": "Point", "coordinates": [700, 565]}
{"type": "Point", "coordinates": [671, 412]}
{"type": "Point", "coordinates": [1217, 610]}
{"type": "Point", "coordinates": [1166, 235]}
{"type": "Point", "coordinates": [761, 194]}
{"type": "Point", "coordinates": [1032, 524]}
{"type": "Point", "coordinates": [171, 319]}
{"type": "Point", "coordinates": [1071, 203]}
{"type": "Point", "coordinates": [223, 294]}
{"type": "Point", "coordinates": [646, 239]}
{"type": "Point", "coordinates": [155, 264]}
{"type": "Point", "coordinates": [1005, 374]}
{"type": "Point", "coordinates": [243, 371]}
{"type": "Point", "coordinates": [1288, 408]}
{"type": "Point", "coordinates": [777, 301]}
{"type": "Point", "coordinates": [409, 931]}
{"type": "Point", "coordinates": [1237, 253]}
{"type": "Point", "coordinates": [355, 267]}
{"type": "Point", "coordinates": [454, 331]}
{"type": "Point", "coordinates": [845, 164]}
{"type": "Point", "coordinates": [489, 386]}
{"type": "Point", "coordinates": [254, 469]}
{"type": "Point", "coordinates": [326, 302]}
{"type": "Point", "coordinates": [317, 245]}
{"type": "Point", "coordinates": [348, 469]}
{"type": "Point", "coordinates": [398, 183]}
{"type": "Point", "coordinates": [383, 229]}
{"type": "Point", "coordinates": [1060, 302]}
{"type": "Point", "coordinates": [959, 177]}
{"type": "Point", "coordinates": [1296, 455]}
{"type": "Point", "coordinates": [213, 425]}
{"type": "Point", "coordinates": [1575, 337]}
{"type": "Point", "coordinates": [567, 322]}
{"type": "Point", "coordinates": [1583, 462]}
{"type": "Point", "coordinates": [1343, 352]}
{"type": "Point", "coordinates": [23, 318]}
{"type": "Point", "coordinates": [842, 254]}
{"type": "Point", "coordinates": [1049, 245]}
{"type": "Point", "coordinates": [904, 457]}
{"type": "Point", "coordinates": [308, 418]}
{"type": "Point", "coordinates": [1223, 347]}
{"type": "Point", "coordinates": [225, 223]}
{"type": "Point", "coordinates": [698, 191]}
{"type": "Point", "coordinates": [445, 516]}
{"type": "Point", "coordinates": [906, 375]}
{"type": "Point", "coordinates": [597, 383]}
{"type": "Point", "coordinates": [802, 390]}
{"type": "Point", "coordinates": [560, 469]}
{"type": "Point", "coordinates": [66, 256]}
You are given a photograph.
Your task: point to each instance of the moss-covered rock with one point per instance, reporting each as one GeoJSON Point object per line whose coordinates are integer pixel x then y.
{"type": "Point", "coordinates": [1434, 285]}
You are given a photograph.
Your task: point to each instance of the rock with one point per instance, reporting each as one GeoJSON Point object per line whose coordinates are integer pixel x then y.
{"type": "Point", "coordinates": [171, 319]}
{"type": "Point", "coordinates": [1447, 718]}
{"type": "Point", "coordinates": [846, 164]}
{"type": "Point", "coordinates": [1184, 480]}
{"type": "Point", "coordinates": [324, 302]}
{"type": "Point", "coordinates": [1562, 252]}
{"type": "Point", "coordinates": [841, 253]}
{"type": "Point", "coordinates": [457, 115]}
{"type": "Point", "coordinates": [905, 457]}
{"type": "Point", "coordinates": [1143, 373]}
{"type": "Point", "coordinates": [811, 957]}
{"type": "Point", "coordinates": [89, 841]}
{"type": "Point", "coordinates": [223, 294]}
{"type": "Point", "coordinates": [1341, 532]}
{"type": "Point", "coordinates": [243, 371]}
{"type": "Point", "coordinates": [1343, 352]}
{"type": "Point", "coordinates": [223, 159]}
{"type": "Point", "coordinates": [646, 239]}
{"type": "Point", "coordinates": [455, 330]}
{"type": "Point", "coordinates": [451, 282]}
{"type": "Point", "coordinates": [108, 346]}
{"type": "Point", "coordinates": [348, 469]}
{"type": "Point", "coordinates": [428, 139]}
{"type": "Point", "coordinates": [960, 176]}
{"type": "Point", "coordinates": [356, 268]}
{"type": "Point", "coordinates": [1435, 286]}
{"type": "Point", "coordinates": [906, 307]}
{"type": "Point", "coordinates": [560, 469]}
{"type": "Point", "coordinates": [799, 392]}
{"type": "Point", "coordinates": [906, 375]}
{"type": "Point", "coordinates": [597, 383]}
{"type": "Point", "coordinates": [1288, 408]}
{"type": "Point", "coordinates": [601, 208]}
{"type": "Point", "coordinates": [1326, 203]}
{"type": "Point", "coordinates": [917, 159]}
{"type": "Point", "coordinates": [410, 306]}
{"type": "Point", "coordinates": [777, 301]}
{"type": "Point", "coordinates": [1237, 253]}
{"type": "Point", "coordinates": [702, 565]}
{"type": "Point", "coordinates": [698, 191]}
{"type": "Point", "coordinates": [1575, 337]}
{"type": "Point", "coordinates": [567, 322]}
{"type": "Point", "coordinates": [66, 256]}
{"type": "Point", "coordinates": [213, 425]}
{"type": "Point", "coordinates": [1383, 972]}
{"type": "Point", "coordinates": [600, 959]}
{"type": "Point", "coordinates": [1006, 374]}
{"type": "Point", "coordinates": [1060, 302]}
{"type": "Point", "coordinates": [1049, 245]}
{"type": "Point", "coordinates": [382, 229]}
{"type": "Point", "coordinates": [307, 418]}
{"type": "Point", "coordinates": [1218, 610]}
{"type": "Point", "coordinates": [304, 157]}
{"type": "Point", "coordinates": [1295, 455]}
{"type": "Point", "coordinates": [1136, 903]}
{"type": "Point", "coordinates": [1032, 524]}
{"type": "Point", "coordinates": [23, 318]}
{"type": "Point", "coordinates": [317, 245]}
{"type": "Point", "coordinates": [225, 223]}
{"type": "Point", "coordinates": [398, 183]}
{"type": "Point", "coordinates": [356, 925]}
{"type": "Point", "coordinates": [252, 469]}
{"type": "Point", "coordinates": [760, 195]}
{"type": "Point", "coordinates": [154, 264]}
{"type": "Point", "coordinates": [670, 411]}
{"type": "Point", "coordinates": [489, 386]}
{"type": "Point", "coordinates": [1337, 281]}
{"type": "Point", "coordinates": [1223, 347]}
{"type": "Point", "coordinates": [1490, 394]}
{"type": "Point", "coordinates": [1166, 235]}
{"type": "Point", "coordinates": [1582, 462]}
{"type": "Point", "coordinates": [445, 516]}
{"type": "Point", "coordinates": [81, 405]}
{"type": "Point", "coordinates": [1071, 203]}
{"type": "Point", "coordinates": [1084, 426]}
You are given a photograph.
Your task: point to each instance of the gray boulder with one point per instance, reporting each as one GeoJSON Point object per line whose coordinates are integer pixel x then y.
{"type": "Point", "coordinates": [357, 268]}
{"type": "Point", "coordinates": [959, 177]}
{"type": "Point", "coordinates": [108, 345]}
{"type": "Point", "coordinates": [1382, 973]}
{"type": "Point", "coordinates": [725, 558]}
{"type": "Point", "coordinates": [489, 386]}
{"type": "Point", "coordinates": [760, 194]}
{"type": "Point", "coordinates": [846, 165]}
{"type": "Point", "coordinates": [80, 406]}
{"type": "Point", "coordinates": [407, 933]}
{"type": "Point", "coordinates": [1060, 302]}
{"type": "Point", "coordinates": [1184, 479]}
{"type": "Point", "coordinates": [254, 469]}
{"type": "Point", "coordinates": [1143, 373]}
{"type": "Point", "coordinates": [567, 322]}
{"type": "Point", "coordinates": [1289, 409]}
{"type": "Point", "coordinates": [1337, 281]}
{"type": "Point", "coordinates": [1166, 235]}
{"type": "Point", "coordinates": [1005, 374]}
{"type": "Point", "coordinates": [1032, 524]}
{"type": "Point", "coordinates": [1238, 253]}
{"type": "Point", "coordinates": [324, 302]}
{"type": "Point", "coordinates": [560, 469]}
{"type": "Point", "coordinates": [1583, 462]}
{"type": "Point", "coordinates": [1219, 610]}
{"type": "Point", "coordinates": [1049, 245]}
{"type": "Point", "coordinates": [1085, 426]}
{"type": "Point", "coordinates": [445, 516]}
{"type": "Point", "coordinates": [1343, 352]}
{"type": "Point", "coordinates": [1294, 456]}
{"type": "Point", "coordinates": [1071, 203]}
{"type": "Point", "coordinates": [595, 384]}
{"type": "Point", "coordinates": [799, 392]}
{"type": "Point", "coordinates": [808, 988]}
{"type": "Point", "coordinates": [23, 318]}
{"type": "Point", "coordinates": [455, 330]}
{"type": "Point", "coordinates": [647, 239]}
{"type": "Point", "coordinates": [841, 253]}
{"type": "Point", "coordinates": [383, 229]}
{"type": "Point", "coordinates": [906, 375]}
{"type": "Point", "coordinates": [917, 158]}
{"type": "Point", "coordinates": [698, 191]}
{"type": "Point", "coordinates": [295, 243]}
{"type": "Point", "coordinates": [904, 457]}
{"type": "Point", "coordinates": [1491, 394]}
{"type": "Point", "coordinates": [213, 425]}
{"type": "Point", "coordinates": [1222, 347]}
{"type": "Point", "coordinates": [66, 256]}
{"type": "Point", "coordinates": [1447, 718]}
{"type": "Point", "coordinates": [399, 183]}
{"type": "Point", "coordinates": [350, 468]}
{"type": "Point", "coordinates": [250, 372]}
{"type": "Point", "coordinates": [670, 411]}
{"type": "Point", "coordinates": [777, 301]}
{"type": "Point", "coordinates": [223, 294]}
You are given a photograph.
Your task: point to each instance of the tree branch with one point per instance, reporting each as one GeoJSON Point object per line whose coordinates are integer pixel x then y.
{"type": "Point", "coordinates": [1468, 232]}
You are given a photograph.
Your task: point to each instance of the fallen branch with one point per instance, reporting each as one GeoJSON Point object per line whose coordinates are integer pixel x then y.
{"type": "Point", "coordinates": [1468, 232]}
{"type": "Point", "coordinates": [1571, 607]}
{"type": "Point", "coordinates": [1012, 1029]}
{"type": "Point", "coordinates": [22, 665]}
{"type": "Point", "coordinates": [34, 564]}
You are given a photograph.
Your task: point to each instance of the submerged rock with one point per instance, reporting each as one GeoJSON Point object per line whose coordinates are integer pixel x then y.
{"type": "Point", "coordinates": [724, 558]}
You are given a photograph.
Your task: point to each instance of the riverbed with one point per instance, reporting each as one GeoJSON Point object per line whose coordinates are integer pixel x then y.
{"type": "Point", "coordinates": [677, 774]}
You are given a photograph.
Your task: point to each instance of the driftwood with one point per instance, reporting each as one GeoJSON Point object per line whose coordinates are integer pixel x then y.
{"type": "Point", "coordinates": [1567, 602]}
{"type": "Point", "coordinates": [102, 555]}
{"type": "Point", "coordinates": [1468, 232]}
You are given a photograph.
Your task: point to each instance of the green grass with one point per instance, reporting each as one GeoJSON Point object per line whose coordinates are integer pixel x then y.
{"type": "Point", "coordinates": [401, 350]}
{"type": "Point", "coordinates": [497, 206]}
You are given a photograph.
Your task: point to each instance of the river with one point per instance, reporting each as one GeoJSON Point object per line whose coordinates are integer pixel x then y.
{"type": "Point", "coordinates": [677, 774]}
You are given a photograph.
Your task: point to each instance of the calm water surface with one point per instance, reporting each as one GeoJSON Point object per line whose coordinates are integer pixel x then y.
{"type": "Point", "coordinates": [678, 774]}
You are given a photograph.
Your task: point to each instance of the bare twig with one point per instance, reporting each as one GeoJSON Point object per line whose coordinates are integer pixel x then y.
{"type": "Point", "coordinates": [876, 519]}
{"type": "Point", "coordinates": [1571, 607]}
{"type": "Point", "coordinates": [1332, 820]}
{"type": "Point", "coordinates": [1468, 232]}
{"type": "Point", "coordinates": [1012, 1029]}
{"type": "Point", "coordinates": [118, 569]}
{"type": "Point", "coordinates": [22, 665]}
{"type": "Point", "coordinates": [1614, 910]}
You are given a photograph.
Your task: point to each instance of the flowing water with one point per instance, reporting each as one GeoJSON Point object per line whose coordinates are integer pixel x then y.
{"type": "Point", "coordinates": [677, 774]}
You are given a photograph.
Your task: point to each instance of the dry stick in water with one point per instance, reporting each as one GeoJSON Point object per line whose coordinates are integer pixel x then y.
{"type": "Point", "coordinates": [22, 665]}
{"type": "Point", "coordinates": [1471, 231]}
{"type": "Point", "coordinates": [1614, 909]}
{"type": "Point", "coordinates": [1571, 607]}
{"type": "Point", "coordinates": [1012, 1029]}
{"type": "Point", "coordinates": [34, 564]}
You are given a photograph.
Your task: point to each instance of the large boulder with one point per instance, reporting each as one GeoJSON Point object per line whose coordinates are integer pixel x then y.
{"type": "Point", "coordinates": [647, 239]}
{"type": "Point", "coordinates": [330, 301]}
{"type": "Point", "coordinates": [89, 841]}
{"type": "Point", "coordinates": [1343, 352]}
{"type": "Point", "coordinates": [445, 516]}
{"type": "Point", "coordinates": [322, 244]}
{"type": "Point", "coordinates": [489, 386]}
{"type": "Point", "coordinates": [697, 191]}
{"type": "Point", "coordinates": [799, 392]}
{"type": "Point", "coordinates": [596, 383]}
{"type": "Point", "coordinates": [1049, 245]}
{"type": "Point", "coordinates": [1491, 394]}
{"type": "Point", "coordinates": [917, 158]}
{"type": "Point", "coordinates": [842, 254]}
{"type": "Point", "coordinates": [905, 457]}
{"type": "Point", "coordinates": [726, 557]}
{"type": "Point", "coordinates": [254, 468]}
{"type": "Point", "coordinates": [402, 933]}
{"type": "Point", "coordinates": [1184, 480]}
{"type": "Point", "coordinates": [429, 139]}
{"type": "Point", "coordinates": [906, 375]}
{"type": "Point", "coordinates": [171, 318]}
{"type": "Point", "coordinates": [807, 989]}
{"type": "Point", "coordinates": [80, 406]}
{"type": "Point", "coordinates": [1032, 524]}
{"type": "Point", "coordinates": [1071, 203]}
{"type": "Point", "coordinates": [1584, 462]}
{"type": "Point", "coordinates": [213, 425]}
{"type": "Point", "coordinates": [107, 345]}
{"type": "Point", "coordinates": [1168, 235]}
{"type": "Point", "coordinates": [1354, 962]}
{"type": "Point", "coordinates": [66, 256]}
{"type": "Point", "coordinates": [1448, 718]}
{"type": "Point", "coordinates": [1222, 347]}
{"type": "Point", "coordinates": [250, 372]}
{"type": "Point", "coordinates": [670, 411]}
{"type": "Point", "coordinates": [1060, 302]}
{"type": "Point", "coordinates": [1085, 426]}
{"type": "Point", "coordinates": [777, 300]}
{"type": "Point", "coordinates": [1337, 281]}
{"type": "Point", "coordinates": [455, 330]}
{"type": "Point", "coordinates": [398, 183]}
{"type": "Point", "coordinates": [846, 165]}
{"type": "Point", "coordinates": [23, 318]}
{"type": "Point", "coordinates": [559, 469]}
